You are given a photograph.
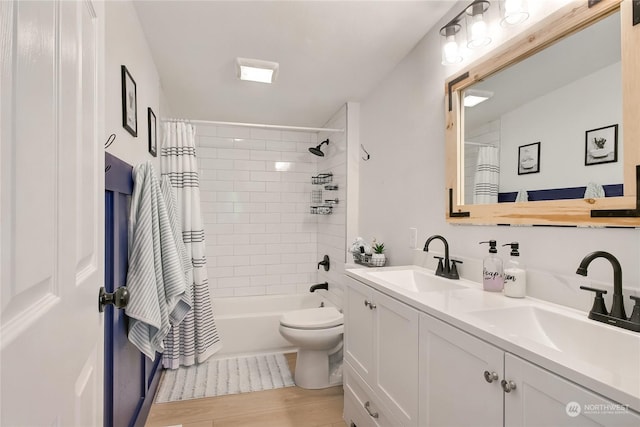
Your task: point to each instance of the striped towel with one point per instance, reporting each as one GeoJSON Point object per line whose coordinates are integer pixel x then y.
{"type": "Point", "coordinates": [156, 277]}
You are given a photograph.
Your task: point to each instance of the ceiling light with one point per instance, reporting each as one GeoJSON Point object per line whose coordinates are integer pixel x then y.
{"type": "Point", "coordinates": [474, 97]}
{"type": "Point", "coordinates": [256, 70]}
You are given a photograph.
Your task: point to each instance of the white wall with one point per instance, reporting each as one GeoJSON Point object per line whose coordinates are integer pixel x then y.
{"type": "Point", "coordinates": [562, 136]}
{"type": "Point", "coordinates": [126, 45]}
{"type": "Point", "coordinates": [255, 189]}
{"type": "Point", "coordinates": [403, 185]}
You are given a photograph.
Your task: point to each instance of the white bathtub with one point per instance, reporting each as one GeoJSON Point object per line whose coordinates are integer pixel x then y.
{"type": "Point", "coordinates": [250, 324]}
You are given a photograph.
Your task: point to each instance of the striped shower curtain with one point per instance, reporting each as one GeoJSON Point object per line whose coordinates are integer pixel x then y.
{"type": "Point", "coordinates": [196, 338]}
{"type": "Point", "coordinates": [487, 178]}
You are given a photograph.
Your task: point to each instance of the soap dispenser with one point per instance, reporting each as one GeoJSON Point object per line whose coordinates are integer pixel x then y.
{"type": "Point", "coordinates": [492, 270]}
{"type": "Point", "coordinates": [515, 274]}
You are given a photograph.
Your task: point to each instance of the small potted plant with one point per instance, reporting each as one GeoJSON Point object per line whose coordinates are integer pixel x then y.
{"type": "Point", "coordinates": [378, 258]}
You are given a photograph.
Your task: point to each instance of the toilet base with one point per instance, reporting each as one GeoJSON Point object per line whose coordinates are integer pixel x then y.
{"type": "Point", "coordinates": [312, 370]}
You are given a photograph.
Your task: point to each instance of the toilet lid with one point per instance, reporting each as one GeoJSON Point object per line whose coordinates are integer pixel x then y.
{"type": "Point", "coordinates": [312, 318]}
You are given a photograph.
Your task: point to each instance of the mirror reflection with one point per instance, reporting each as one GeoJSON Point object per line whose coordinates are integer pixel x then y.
{"type": "Point", "coordinates": [549, 127]}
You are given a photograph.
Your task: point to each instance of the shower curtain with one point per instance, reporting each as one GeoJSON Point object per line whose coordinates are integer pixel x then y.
{"type": "Point", "coordinates": [196, 338]}
{"type": "Point", "coordinates": [487, 177]}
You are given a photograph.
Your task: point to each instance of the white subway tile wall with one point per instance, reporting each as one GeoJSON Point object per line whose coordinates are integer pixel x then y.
{"type": "Point", "coordinates": [256, 188]}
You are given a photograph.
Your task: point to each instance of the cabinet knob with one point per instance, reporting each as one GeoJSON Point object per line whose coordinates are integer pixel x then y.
{"type": "Point", "coordinates": [490, 376]}
{"type": "Point", "coordinates": [507, 386]}
{"type": "Point", "coordinates": [372, 306]}
{"type": "Point", "coordinates": [367, 304]}
{"type": "Point", "coordinates": [367, 406]}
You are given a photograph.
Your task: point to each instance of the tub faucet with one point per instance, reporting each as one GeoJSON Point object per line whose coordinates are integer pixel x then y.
{"type": "Point", "coordinates": [324, 286]}
{"type": "Point", "coordinates": [617, 316]}
{"type": "Point", "coordinates": [446, 267]}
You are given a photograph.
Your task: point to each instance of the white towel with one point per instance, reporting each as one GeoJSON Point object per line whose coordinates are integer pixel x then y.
{"type": "Point", "coordinates": [594, 191]}
{"type": "Point", "coordinates": [522, 196]}
{"type": "Point", "coordinates": [156, 278]}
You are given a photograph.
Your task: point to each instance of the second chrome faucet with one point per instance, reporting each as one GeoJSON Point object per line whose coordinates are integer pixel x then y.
{"type": "Point", "coordinates": [446, 267]}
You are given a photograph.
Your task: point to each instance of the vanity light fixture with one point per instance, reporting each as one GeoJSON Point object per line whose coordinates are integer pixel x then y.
{"type": "Point", "coordinates": [513, 12]}
{"type": "Point", "coordinates": [257, 70]}
{"type": "Point", "coordinates": [476, 26]}
{"type": "Point", "coordinates": [474, 97]}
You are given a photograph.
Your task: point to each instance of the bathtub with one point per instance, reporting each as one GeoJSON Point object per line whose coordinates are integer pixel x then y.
{"type": "Point", "coordinates": [250, 324]}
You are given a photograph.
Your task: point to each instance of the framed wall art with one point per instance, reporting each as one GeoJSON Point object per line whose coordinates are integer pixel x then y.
{"type": "Point", "coordinates": [601, 145]}
{"type": "Point", "coordinates": [529, 158]}
{"type": "Point", "coordinates": [129, 102]}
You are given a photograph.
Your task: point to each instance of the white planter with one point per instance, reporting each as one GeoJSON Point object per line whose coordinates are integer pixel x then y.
{"type": "Point", "coordinates": [378, 260]}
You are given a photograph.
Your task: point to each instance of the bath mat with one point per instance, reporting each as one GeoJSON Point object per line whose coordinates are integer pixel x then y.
{"type": "Point", "coordinates": [218, 377]}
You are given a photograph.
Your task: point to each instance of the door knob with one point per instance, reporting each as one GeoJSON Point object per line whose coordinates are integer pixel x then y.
{"type": "Point", "coordinates": [507, 386]}
{"type": "Point", "coordinates": [119, 298]}
{"type": "Point", "coordinates": [490, 376]}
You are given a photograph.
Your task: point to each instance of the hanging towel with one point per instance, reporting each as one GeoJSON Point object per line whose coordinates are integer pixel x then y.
{"type": "Point", "coordinates": [522, 196]}
{"type": "Point", "coordinates": [487, 177]}
{"type": "Point", "coordinates": [594, 191]}
{"type": "Point", "coordinates": [196, 338]}
{"type": "Point", "coordinates": [156, 279]}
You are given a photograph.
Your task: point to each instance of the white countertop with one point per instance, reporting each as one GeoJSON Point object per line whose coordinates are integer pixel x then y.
{"type": "Point", "coordinates": [611, 373]}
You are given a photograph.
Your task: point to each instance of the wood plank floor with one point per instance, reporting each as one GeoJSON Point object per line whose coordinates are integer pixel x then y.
{"type": "Point", "coordinates": [284, 407]}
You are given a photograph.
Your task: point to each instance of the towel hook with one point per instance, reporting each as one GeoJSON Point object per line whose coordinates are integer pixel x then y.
{"type": "Point", "coordinates": [365, 152]}
{"type": "Point", "coordinates": [110, 140]}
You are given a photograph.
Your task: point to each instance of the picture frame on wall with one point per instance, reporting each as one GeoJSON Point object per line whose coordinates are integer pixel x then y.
{"type": "Point", "coordinates": [529, 158]}
{"type": "Point", "coordinates": [601, 145]}
{"type": "Point", "coordinates": [129, 102]}
{"type": "Point", "coordinates": [153, 132]}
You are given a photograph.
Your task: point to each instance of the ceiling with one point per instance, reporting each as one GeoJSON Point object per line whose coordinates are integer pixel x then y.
{"type": "Point", "coordinates": [330, 52]}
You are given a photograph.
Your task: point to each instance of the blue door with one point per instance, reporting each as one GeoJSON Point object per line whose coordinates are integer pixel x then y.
{"type": "Point", "coordinates": [130, 379]}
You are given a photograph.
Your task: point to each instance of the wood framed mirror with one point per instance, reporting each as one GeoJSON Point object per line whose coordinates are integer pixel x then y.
{"type": "Point", "coordinates": [574, 166]}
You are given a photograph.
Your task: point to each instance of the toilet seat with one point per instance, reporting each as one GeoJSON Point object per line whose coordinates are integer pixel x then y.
{"type": "Point", "coordinates": [312, 318]}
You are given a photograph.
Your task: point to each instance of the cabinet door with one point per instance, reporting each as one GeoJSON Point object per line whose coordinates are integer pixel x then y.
{"type": "Point", "coordinates": [358, 324]}
{"type": "Point", "coordinates": [453, 389]}
{"type": "Point", "coordinates": [542, 398]}
{"type": "Point", "coordinates": [396, 357]}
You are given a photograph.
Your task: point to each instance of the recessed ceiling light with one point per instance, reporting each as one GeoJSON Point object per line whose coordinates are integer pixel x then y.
{"type": "Point", "coordinates": [256, 70]}
{"type": "Point", "coordinates": [475, 97]}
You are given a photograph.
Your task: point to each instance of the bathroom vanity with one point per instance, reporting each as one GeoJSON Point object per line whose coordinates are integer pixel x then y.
{"type": "Point", "coordinates": [422, 350]}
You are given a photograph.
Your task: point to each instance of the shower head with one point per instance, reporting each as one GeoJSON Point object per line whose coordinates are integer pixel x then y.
{"type": "Point", "coordinates": [316, 150]}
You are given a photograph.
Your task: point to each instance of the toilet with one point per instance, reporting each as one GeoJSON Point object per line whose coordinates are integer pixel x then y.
{"type": "Point", "coordinates": [317, 332]}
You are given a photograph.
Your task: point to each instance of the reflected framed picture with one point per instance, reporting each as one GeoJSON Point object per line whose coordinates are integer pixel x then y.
{"type": "Point", "coordinates": [153, 132]}
{"type": "Point", "coordinates": [601, 145]}
{"type": "Point", "coordinates": [129, 102]}
{"type": "Point", "coordinates": [529, 158]}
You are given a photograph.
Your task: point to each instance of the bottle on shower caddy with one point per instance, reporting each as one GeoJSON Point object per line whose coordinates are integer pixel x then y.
{"type": "Point", "coordinates": [492, 270]}
{"type": "Point", "coordinates": [515, 274]}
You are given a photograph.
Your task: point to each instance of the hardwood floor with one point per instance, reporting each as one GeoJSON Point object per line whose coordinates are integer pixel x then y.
{"type": "Point", "coordinates": [284, 407]}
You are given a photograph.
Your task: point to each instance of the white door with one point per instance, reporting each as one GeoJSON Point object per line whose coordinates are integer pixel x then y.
{"type": "Point", "coordinates": [453, 388]}
{"type": "Point", "coordinates": [51, 168]}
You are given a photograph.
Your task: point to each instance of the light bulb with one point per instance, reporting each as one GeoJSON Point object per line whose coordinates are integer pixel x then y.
{"type": "Point", "coordinates": [515, 12]}
{"type": "Point", "coordinates": [450, 49]}
{"type": "Point", "coordinates": [479, 30]}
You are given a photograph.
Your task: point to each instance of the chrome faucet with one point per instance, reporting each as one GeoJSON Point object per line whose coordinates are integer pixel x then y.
{"type": "Point", "coordinates": [617, 316]}
{"type": "Point", "coordinates": [446, 267]}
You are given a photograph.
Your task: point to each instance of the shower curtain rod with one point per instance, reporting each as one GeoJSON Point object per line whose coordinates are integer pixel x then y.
{"type": "Point", "coordinates": [256, 125]}
{"type": "Point", "coordinates": [482, 144]}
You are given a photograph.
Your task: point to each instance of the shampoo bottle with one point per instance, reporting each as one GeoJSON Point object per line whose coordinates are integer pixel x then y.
{"type": "Point", "coordinates": [515, 275]}
{"type": "Point", "coordinates": [492, 270]}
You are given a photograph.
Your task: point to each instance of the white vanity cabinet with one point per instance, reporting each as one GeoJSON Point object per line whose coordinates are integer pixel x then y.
{"type": "Point", "coordinates": [381, 354]}
{"type": "Point", "coordinates": [460, 384]}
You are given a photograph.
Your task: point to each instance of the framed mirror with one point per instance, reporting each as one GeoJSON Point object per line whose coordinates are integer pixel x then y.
{"type": "Point", "coordinates": [544, 131]}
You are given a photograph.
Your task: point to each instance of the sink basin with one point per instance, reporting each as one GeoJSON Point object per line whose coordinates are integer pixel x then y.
{"type": "Point", "coordinates": [582, 339]}
{"type": "Point", "coordinates": [415, 281]}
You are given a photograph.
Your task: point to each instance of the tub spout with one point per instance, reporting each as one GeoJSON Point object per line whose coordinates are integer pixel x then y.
{"type": "Point", "coordinates": [324, 286]}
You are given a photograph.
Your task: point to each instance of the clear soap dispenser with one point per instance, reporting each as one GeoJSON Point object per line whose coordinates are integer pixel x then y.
{"type": "Point", "coordinates": [515, 274]}
{"type": "Point", "coordinates": [492, 270]}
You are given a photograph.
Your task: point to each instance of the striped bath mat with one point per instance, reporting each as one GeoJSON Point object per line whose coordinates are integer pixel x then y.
{"type": "Point", "coordinates": [217, 377]}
